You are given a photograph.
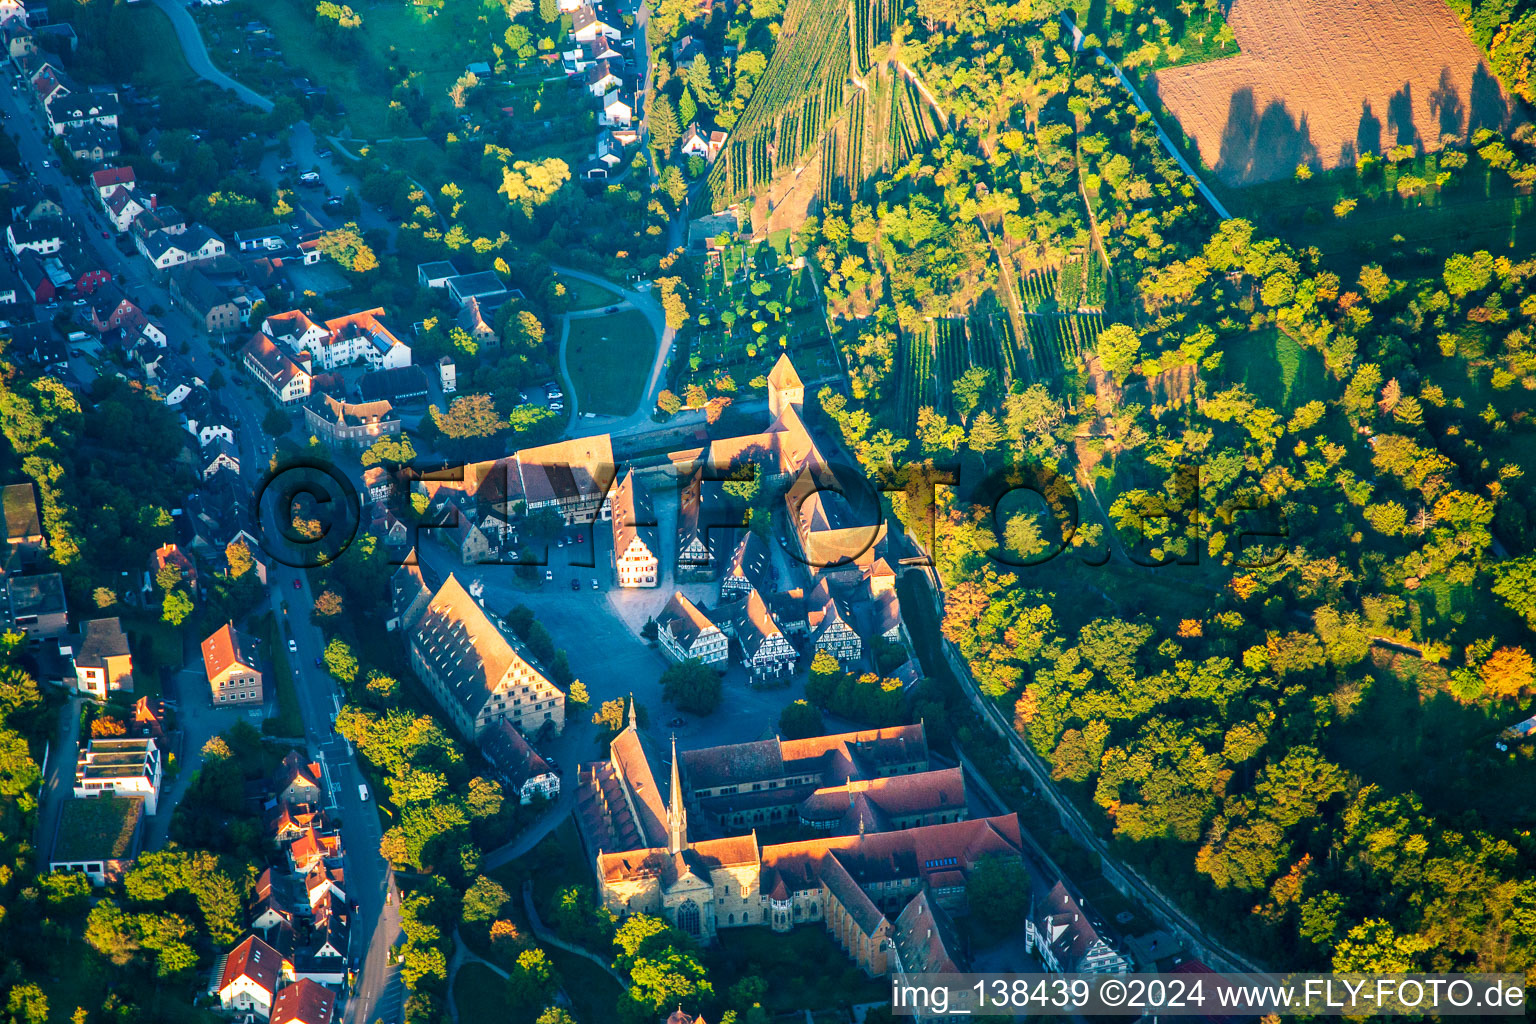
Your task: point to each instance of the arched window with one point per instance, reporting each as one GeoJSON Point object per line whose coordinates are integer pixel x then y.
{"type": "Point", "coordinates": [688, 917]}
{"type": "Point", "coordinates": [730, 918]}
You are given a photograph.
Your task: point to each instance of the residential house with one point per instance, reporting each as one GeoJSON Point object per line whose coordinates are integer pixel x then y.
{"type": "Point", "coordinates": [471, 319]}
{"type": "Point", "coordinates": [287, 380]}
{"type": "Point", "coordinates": [249, 980]}
{"type": "Point", "coordinates": [167, 555]}
{"type": "Point", "coordinates": [298, 781]}
{"type": "Point", "coordinates": [695, 547]}
{"type": "Point", "coordinates": [36, 282]}
{"type": "Point", "coordinates": [831, 625]}
{"type": "Point", "coordinates": [360, 336]}
{"type": "Point", "coordinates": [1066, 939]}
{"type": "Point", "coordinates": [685, 632]}
{"type": "Point", "coordinates": [476, 673]}
{"type": "Point", "coordinates": [92, 143]}
{"type": "Point", "coordinates": [232, 665]}
{"type": "Point", "coordinates": [111, 308]}
{"type": "Point", "coordinates": [349, 425]}
{"type": "Point", "coordinates": [167, 250]}
{"type": "Point", "coordinates": [125, 767]}
{"type": "Point", "coordinates": [326, 881]}
{"type": "Point", "coordinates": [588, 22]}
{"type": "Point", "coordinates": [36, 605]}
{"type": "Point", "coordinates": [765, 650]}
{"type": "Point", "coordinates": [634, 534]}
{"type": "Point", "coordinates": [603, 77]}
{"type": "Point", "coordinates": [103, 664]}
{"type": "Point", "coordinates": [147, 718]}
{"type": "Point", "coordinates": [122, 208]}
{"type": "Point", "coordinates": [42, 235]}
{"type": "Point", "coordinates": [77, 108]}
{"type": "Point", "coordinates": [618, 110]}
{"type": "Point", "coordinates": [31, 201]}
{"type": "Point", "coordinates": [110, 179]}
{"type": "Point", "coordinates": [209, 305]}
{"type": "Point", "coordinates": [23, 520]}
{"type": "Point", "coordinates": [98, 837]}
{"type": "Point", "coordinates": [304, 1002]}
{"type": "Point", "coordinates": [750, 568]}
{"type": "Point", "coordinates": [517, 764]}
{"type": "Point", "coordinates": [218, 455]}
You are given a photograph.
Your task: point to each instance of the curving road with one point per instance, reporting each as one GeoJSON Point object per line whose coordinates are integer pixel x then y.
{"type": "Point", "coordinates": [196, 52]}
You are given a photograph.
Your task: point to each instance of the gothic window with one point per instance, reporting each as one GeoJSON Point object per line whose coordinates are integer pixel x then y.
{"type": "Point", "coordinates": [688, 917]}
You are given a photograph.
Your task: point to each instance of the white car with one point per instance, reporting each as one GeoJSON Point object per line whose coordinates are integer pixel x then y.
{"type": "Point", "coordinates": [556, 407]}
{"type": "Point", "coordinates": [293, 648]}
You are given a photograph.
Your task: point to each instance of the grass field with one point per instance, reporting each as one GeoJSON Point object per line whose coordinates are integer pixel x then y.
{"type": "Point", "coordinates": [1276, 369]}
{"type": "Point", "coordinates": [479, 993]}
{"type": "Point", "coordinates": [586, 295]}
{"type": "Point", "coordinates": [610, 358]}
{"type": "Point", "coordinates": [169, 68]}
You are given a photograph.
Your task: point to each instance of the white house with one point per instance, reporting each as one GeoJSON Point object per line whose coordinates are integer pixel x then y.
{"type": "Point", "coordinates": [249, 981]}
{"type": "Point", "coordinates": [587, 24]}
{"type": "Point", "coordinates": [447, 375]}
{"type": "Point", "coordinates": [616, 112]}
{"type": "Point", "coordinates": [127, 767]}
{"type": "Point", "coordinates": [601, 78]}
{"type": "Point", "coordinates": [634, 534]}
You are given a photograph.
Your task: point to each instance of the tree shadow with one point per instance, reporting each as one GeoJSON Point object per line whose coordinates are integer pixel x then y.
{"type": "Point", "coordinates": [1445, 103]}
{"type": "Point", "coordinates": [1262, 146]}
{"type": "Point", "coordinates": [1487, 108]}
{"type": "Point", "coordinates": [1368, 134]}
{"type": "Point", "coordinates": [1400, 118]}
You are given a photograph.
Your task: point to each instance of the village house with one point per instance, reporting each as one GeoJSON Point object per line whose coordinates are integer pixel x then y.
{"type": "Point", "coordinates": [166, 250]}
{"type": "Point", "coordinates": [618, 110]}
{"type": "Point", "coordinates": [248, 983]}
{"type": "Point", "coordinates": [765, 651]}
{"type": "Point", "coordinates": [103, 664]}
{"type": "Point", "coordinates": [122, 207]}
{"type": "Point", "coordinates": [98, 837]}
{"type": "Point", "coordinates": [695, 538]}
{"type": "Point", "coordinates": [125, 767]}
{"type": "Point", "coordinates": [1064, 937]}
{"type": "Point", "coordinates": [749, 568]}
{"type": "Point", "coordinates": [298, 781]}
{"type": "Point", "coordinates": [232, 667]}
{"type": "Point", "coordinates": [304, 1002]}
{"type": "Point", "coordinates": [587, 23]}
{"type": "Point", "coordinates": [684, 632]}
{"type": "Point", "coordinates": [209, 305]}
{"type": "Point", "coordinates": [476, 673]}
{"type": "Point", "coordinates": [831, 628]}
{"type": "Point", "coordinates": [634, 534]}
{"type": "Point", "coordinates": [472, 321]}
{"type": "Point", "coordinates": [517, 764]}
{"type": "Point", "coordinates": [42, 235]}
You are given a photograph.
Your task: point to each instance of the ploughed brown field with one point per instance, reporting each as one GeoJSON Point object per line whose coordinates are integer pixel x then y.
{"type": "Point", "coordinates": [1320, 83]}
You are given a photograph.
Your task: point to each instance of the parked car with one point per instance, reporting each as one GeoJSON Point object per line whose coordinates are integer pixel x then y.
{"type": "Point", "coordinates": [611, 309]}
{"type": "Point", "coordinates": [548, 575]}
{"type": "Point", "coordinates": [594, 585]}
{"type": "Point", "coordinates": [293, 648]}
{"type": "Point", "coordinates": [218, 360]}
{"type": "Point", "coordinates": [677, 722]}
{"type": "Point", "coordinates": [556, 407]}
{"type": "Point", "coordinates": [296, 585]}
{"type": "Point", "coordinates": [575, 584]}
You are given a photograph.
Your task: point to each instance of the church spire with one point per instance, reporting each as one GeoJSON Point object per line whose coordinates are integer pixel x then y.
{"type": "Point", "coordinates": [677, 817]}
{"type": "Point", "coordinates": [632, 724]}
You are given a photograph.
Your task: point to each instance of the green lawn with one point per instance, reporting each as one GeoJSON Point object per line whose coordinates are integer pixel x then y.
{"type": "Point", "coordinates": [479, 993]}
{"type": "Point", "coordinates": [1276, 369]}
{"type": "Point", "coordinates": [806, 969]}
{"type": "Point", "coordinates": [609, 358]}
{"type": "Point", "coordinates": [169, 68]}
{"type": "Point", "coordinates": [586, 295]}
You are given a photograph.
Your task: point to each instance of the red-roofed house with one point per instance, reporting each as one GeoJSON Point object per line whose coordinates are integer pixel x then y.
{"type": "Point", "coordinates": [250, 977]}
{"type": "Point", "coordinates": [304, 1002]}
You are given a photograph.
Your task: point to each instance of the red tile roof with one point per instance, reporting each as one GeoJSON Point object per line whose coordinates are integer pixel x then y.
{"type": "Point", "coordinates": [252, 959]}
{"type": "Point", "coordinates": [304, 1002]}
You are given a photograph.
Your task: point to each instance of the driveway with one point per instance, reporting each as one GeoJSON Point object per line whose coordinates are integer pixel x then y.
{"type": "Point", "coordinates": [59, 776]}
